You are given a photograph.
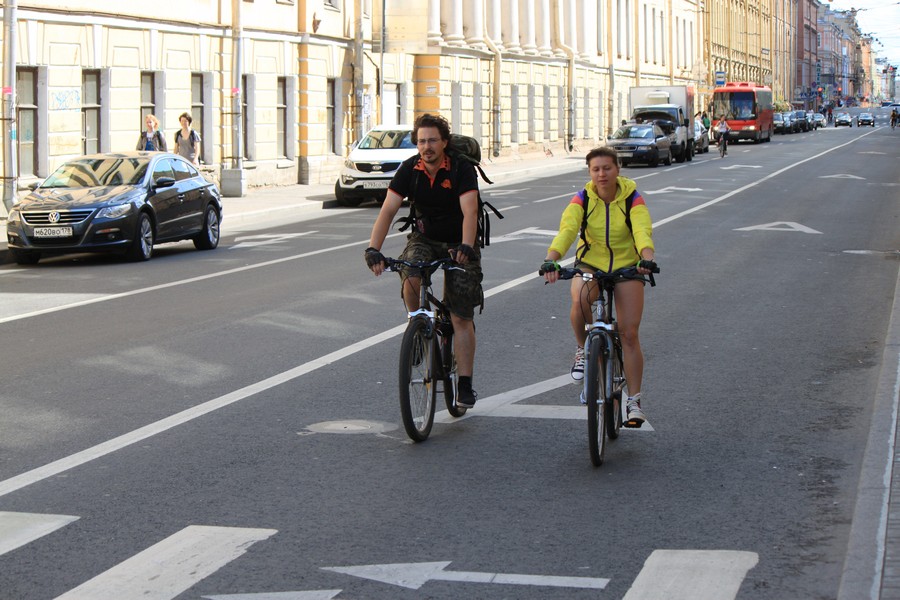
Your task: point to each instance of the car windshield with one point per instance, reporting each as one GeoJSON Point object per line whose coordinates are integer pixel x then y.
{"type": "Point", "coordinates": [97, 172]}
{"type": "Point", "coordinates": [632, 132]}
{"type": "Point", "coordinates": [388, 138]}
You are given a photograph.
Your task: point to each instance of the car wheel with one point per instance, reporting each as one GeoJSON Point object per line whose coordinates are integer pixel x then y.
{"type": "Point", "coordinates": [24, 257]}
{"type": "Point", "coordinates": [208, 238]}
{"type": "Point", "coordinates": [343, 199]}
{"type": "Point", "coordinates": [623, 162]}
{"type": "Point", "coordinates": [142, 245]}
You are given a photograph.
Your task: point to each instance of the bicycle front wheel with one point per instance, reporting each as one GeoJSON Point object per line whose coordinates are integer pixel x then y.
{"type": "Point", "coordinates": [595, 395]}
{"type": "Point", "coordinates": [417, 389]}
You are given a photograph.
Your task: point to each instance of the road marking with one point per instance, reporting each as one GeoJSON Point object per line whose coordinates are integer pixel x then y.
{"type": "Point", "coordinates": [840, 176]}
{"type": "Point", "coordinates": [264, 239]}
{"type": "Point", "coordinates": [310, 595]}
{"type": "Point", "coordinates": [741, 167]}
{"type": "Point", "coordinates": [780, 226]}
{"type": "Point", "coordinates": [672, 188]}
{"type": "Point", "coordinates": [522, 233]}
{"type": "Point", "coordinates": [415, 575]}
{"type": "Point", "coordinates": [18, 529]}
{"type": "Point", "coordinates": [172, 566]}
{"type": "Point", "coordinates": [692, 575]}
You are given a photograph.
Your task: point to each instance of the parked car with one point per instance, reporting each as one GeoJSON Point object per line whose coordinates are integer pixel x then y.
{"type": "Point", "coordinates": [641, 142]}
{"type": "Point", "coordinates": [116, 202]}
{"type": "Point", "coordinates": [790, 124]}
{"type": "Point", "coordinates": [778, 123]}
{"type": "Point", "coordinates": [819, 120]}
{"type": "Point", "coordinates": [843, 119]}
{"type": "Point", "coordinates": [701, 138]}
{"type": "Point", "coordinates": [371, 164]}
{"type": "Point", "coordinates": [865, 119]}
{"type": "Point", "coordinates": [802, 123]}
{"type": "Point", "coordinates": [811, 119]}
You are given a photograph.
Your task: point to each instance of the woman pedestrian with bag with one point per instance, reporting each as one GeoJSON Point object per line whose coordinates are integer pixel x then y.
{"type": "Point", "coordinates": [151, 139]}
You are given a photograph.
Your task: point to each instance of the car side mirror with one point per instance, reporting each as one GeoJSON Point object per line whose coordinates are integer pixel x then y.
{"type": "Point", "coordinates": [35, 185]}
{"type": "Point", "coordinates": [164, 182]}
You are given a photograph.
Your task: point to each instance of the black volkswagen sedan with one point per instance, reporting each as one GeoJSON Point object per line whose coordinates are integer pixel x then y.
{"type": "Point", "coordinates": [117, 202]}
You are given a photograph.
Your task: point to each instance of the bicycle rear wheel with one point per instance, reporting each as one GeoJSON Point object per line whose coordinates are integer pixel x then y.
{"type": "Point", "coordinates": [417, 389]}
{"type": "Point", "coordinates": [614, 385]}
{"type": "Point", "coordinates": [450, 376]}
{"type": "Point", "coordinates": [595, 395]}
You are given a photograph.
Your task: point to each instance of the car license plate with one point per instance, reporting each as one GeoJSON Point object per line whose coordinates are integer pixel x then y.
{"type": "Point", "coordinates": [376, 185]}
{"type": "Point", "coordinates": [626, 154]}
{"type": "Point", "coordinates": [52, 232]}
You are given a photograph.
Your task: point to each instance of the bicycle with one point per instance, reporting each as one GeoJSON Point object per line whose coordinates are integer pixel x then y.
{"type": "Point", "coordinates": [604, 371]}
{"type": "Point", "coordinates": [426, 354]}
{"type": "Point", "coordinates": [722, 145]}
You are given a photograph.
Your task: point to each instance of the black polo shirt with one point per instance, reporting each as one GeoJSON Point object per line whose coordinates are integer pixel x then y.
{"type": "Point", "coordinates": [436, 202]}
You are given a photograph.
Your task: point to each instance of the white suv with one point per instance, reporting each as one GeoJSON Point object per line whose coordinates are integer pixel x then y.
{"type": "Point", "coordinates": [372, 162]}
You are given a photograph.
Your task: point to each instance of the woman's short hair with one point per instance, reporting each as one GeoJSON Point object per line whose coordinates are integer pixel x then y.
{"type": "Point", "coordinates": [153, 119]}
{"type": "Point", "coordinates": [429, 120]}
{"type": "Point", "coordinates": [602, 151]}
{"type": "Point", "coordinates": [187, 116]}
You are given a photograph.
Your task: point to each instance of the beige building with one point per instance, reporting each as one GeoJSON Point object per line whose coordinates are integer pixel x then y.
{"type": "Point", "coordinates": [308, 77]}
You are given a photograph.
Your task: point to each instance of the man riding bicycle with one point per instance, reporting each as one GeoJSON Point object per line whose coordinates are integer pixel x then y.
{"type": "Point", "coordinates": [894, 118]}
{"type": "Point", "coordinates": [445, 203]}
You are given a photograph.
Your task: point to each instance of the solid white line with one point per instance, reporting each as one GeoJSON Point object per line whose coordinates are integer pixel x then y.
{"type": "Point", "coordinates": [172, 566]}
{"type": "Point", "coordinates": [692, 575]}
{"type": "Point", "coordinates": [310, 595]}
{"type": "Point", "coordinates": [20, 481]}
{"type": "Point", "coordinates": [18, 529]}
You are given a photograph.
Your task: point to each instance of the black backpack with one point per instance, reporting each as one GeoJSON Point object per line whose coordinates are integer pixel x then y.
{"type": "Point", "coordinates": [460, 147]}
{"type": "Point", "coordinates": [584, 204]}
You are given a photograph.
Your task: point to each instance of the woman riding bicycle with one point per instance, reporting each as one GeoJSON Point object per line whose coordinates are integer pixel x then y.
{"type": "Point", "coordinates": [722, 129]}
{"type": "Point", "coordinates": [610, 242]}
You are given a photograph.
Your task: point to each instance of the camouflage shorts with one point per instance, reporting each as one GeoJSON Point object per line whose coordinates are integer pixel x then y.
{"type": "Point", "coordinates": [462, 289]}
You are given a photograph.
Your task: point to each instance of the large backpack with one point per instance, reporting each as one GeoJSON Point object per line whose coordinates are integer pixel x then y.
{"type": "Point", "coordinates": [584, 204]}
{"type": "Point", "coordinates": [460, 147]}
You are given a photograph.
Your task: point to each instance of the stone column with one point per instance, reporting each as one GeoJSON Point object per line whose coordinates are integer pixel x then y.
{"type": "Point", "coordinates": [510, 32]}
{"type": "Point", "coordinates": [452, 16]}
{"type": "Point", "coordinates": [434, 23]}
{"type": "Point", "coordinates": [473, 23]}
{"type": "Point", "coordinates": [527, 35]}
{"type": "Point", "coordinates": [495, 23]}
{"type": "Point", "coordinates": [542, 25]}
{"type": "Point", "coordinates": [588, 33]}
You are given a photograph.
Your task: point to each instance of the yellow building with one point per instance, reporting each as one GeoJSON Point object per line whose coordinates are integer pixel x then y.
{"type": "Point", "coordinates": [310, 77]}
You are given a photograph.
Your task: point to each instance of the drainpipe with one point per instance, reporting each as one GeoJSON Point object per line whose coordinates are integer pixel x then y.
{"type": "Point", "coordinates": [570, 87]}
{"type": "Point", "coordinates": [237, 122]}
{"type": "Point", "coordinates": [10, 158]}
{"type": "Point", "coordinates": [495, 95]}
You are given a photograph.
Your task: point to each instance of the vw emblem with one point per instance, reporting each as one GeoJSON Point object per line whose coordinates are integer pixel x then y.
{"type": "Point", "coordinates": [53, 217]}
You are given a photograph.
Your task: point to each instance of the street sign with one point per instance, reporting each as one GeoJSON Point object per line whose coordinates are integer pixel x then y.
{"type": "Point", "coordinates": [720, 77]}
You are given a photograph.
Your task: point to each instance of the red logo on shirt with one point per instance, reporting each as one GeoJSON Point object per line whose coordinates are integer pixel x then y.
{"type": "Point", "coordinates": [446, 184]}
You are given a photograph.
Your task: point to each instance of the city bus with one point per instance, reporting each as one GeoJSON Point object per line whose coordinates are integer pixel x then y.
{"type": "Point", "coordinates": [747, 108]}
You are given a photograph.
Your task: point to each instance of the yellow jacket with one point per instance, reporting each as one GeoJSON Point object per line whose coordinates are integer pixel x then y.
{"type": "Point", "coordinates": [612, 245]}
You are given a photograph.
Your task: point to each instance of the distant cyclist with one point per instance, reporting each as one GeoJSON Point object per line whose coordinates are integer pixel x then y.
{"type": "Point", "coordinates": [722, 129]}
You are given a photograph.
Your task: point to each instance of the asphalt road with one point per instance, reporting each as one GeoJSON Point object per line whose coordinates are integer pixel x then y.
{"type": "Point", "coordinates": [224, 424]}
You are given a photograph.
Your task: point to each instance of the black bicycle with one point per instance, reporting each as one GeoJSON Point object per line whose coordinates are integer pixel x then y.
{"type": "Point", "coordinates": [604, 372]}
{"type": "Point", "coordinates": [427, 359]}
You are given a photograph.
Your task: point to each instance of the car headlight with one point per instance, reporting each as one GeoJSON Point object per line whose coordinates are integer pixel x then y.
{"type": "Point", "coordinates": [14, 216]}
{"type": "Point", "coordinates": [651, 147]}
{"type": "Point", "coordinates": [350, 164]}
{"type": "Point", "coordinates": [114, 212]}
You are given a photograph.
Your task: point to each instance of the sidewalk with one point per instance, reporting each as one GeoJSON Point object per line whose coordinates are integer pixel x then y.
{"type": "Point", "coordinates": [261, 203]}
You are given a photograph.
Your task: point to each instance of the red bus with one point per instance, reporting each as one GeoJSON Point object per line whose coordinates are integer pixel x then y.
{"type": "Point", "coordinates": [748, 109]}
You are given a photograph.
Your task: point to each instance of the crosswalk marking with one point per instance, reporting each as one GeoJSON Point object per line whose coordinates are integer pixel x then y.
{"type": "Point", "coordinates": [692, 575]}
{"type": "Point", "coordinates": [172, 566]}
{"type": "Point", "coordinates": [18, 529]}
{"type": "Point", "coordinates": [311, 595]}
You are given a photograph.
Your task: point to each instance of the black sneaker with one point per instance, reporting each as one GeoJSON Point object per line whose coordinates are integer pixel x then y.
{"type": "Point", "coordinates": [465, 398]}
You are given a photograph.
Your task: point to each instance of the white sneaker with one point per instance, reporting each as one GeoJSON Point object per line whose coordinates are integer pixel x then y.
{"type": "Point", "coordinates": [577, 371]}
{"type": "Point", "coordinates": [636, 416]}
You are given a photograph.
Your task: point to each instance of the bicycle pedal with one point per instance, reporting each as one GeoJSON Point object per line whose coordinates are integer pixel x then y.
{"type": "Point", "coordinates": [632, 424]}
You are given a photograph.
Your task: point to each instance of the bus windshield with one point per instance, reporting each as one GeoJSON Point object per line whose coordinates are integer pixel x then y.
{"type": "Point", "coordinates": [734, 105]}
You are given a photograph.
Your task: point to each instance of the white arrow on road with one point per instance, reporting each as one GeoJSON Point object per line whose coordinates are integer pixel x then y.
{"type": "Point", "coordinates": [528, 232]}
{"type": "Point", "coordinates": [840, 176]}
{"type": "Point", "coordinates": [671, 188]}
{"type": "Point", "coordinates": [415, 575]}
{"type": "Point", "coordinates": [780, 226]}
{"type": "Point", "coordinates": [266, 238]}
{"type": "Point", "coordinates": [311, 595]}
{"type": "Point", "coordinates": [741, 167]}
{"type": "Point", "coordinates": [498, 193]}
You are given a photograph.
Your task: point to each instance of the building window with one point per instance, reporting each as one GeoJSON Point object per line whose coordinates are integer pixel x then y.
{"type": "Point", "coordinates": [90, 112]}
{"type": "Point", "coordinates": [148, 96]}
{"type": "Point", "coordinates": [281, 117]}
{"type": "Point", "coordinates": [331, 142]}
{"type": "Point", "coordinates": [619, 32]}
{"type": "Point", "coordinates": [662, 38]}
{"type": "Point", "coordinates": [26, 120]}
{"type": "Point", "coordinates": [198, 105]}
{"type": "Point", "coordinates": [653, 20]}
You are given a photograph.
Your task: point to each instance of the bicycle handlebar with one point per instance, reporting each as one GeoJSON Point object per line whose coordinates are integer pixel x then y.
{"type": "Point", "coordinates": [447, 264]}
{"type": "Point", "coordinates": [626, 273]}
